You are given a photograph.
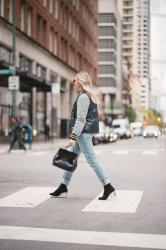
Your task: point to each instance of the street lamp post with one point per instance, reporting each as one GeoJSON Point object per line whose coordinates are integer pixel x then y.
{"type": "Point", "coordinates": [14, 55]}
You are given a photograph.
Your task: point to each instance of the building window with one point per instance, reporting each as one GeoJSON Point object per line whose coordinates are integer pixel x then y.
{"type": "Point", "coordinates": [107, 82]}
{"type": "Point", "coordinates": [77, 4]}
{"type": "Point", "coordinates": [41, 71]}
{"type": "Point", "coordinates": [107, 69]}
{"type": "Point", "coordinates": [64, 50]}
{"type": "Point", "coordinates": [41, 30]}
{"type": "Point", "coordinates": [45, 3]}
{"type": "Point", "coordinates": [10, 7]}
{"type": "Point", "coordinates": [107, 56]}
{"type": "Point", "coordinates": [70, 24]}
{"type": "Point", "coordinates": [25, 64]}
{"type": "Point", "coordinates": [107, 18]}
{"type": "Point", "coordinates": [72, 56]}
{"type": "Point", "coordinates": [51, 40]}
{"type": "Point", "coordinates": [55, 44]}
{"type": "Point", "coordinates": [107, 44]}
{"type": "Point", "coordinates": [29, 21]}
{"type": "Point", "coordinates": [74, 2]}
{"type": "Point", "coordinates": [5, 54]}
{"type": "Point", "coordinates": [127, 19]}
{"type": "Point", "coordinates": [107, 31]}
{"type": "Point", "coordinates": [22, 17]}
{"type": "Point", "coordinates": [65, 18]}
{"type": "Point", "coordinates": [56, 8]}
{"type": "Point", "coordinates": [53, 77]}
{"type": "Point", "coordinates": [2, 8]}
{"type": "Point", "coordinates": [51, 6]}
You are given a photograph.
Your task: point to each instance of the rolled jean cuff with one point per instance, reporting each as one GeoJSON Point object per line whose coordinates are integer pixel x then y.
{"type": "Point", "coordinates": [106, 181]}
{"type": "Point", "coordinates": [65, 182]}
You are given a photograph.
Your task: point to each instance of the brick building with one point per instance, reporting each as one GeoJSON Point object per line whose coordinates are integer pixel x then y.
{"type": "Point", "coordinates": [54, 40]}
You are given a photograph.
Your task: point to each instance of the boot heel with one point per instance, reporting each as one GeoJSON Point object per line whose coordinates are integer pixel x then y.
{"type": "Point", "coordinates": [63, 195]}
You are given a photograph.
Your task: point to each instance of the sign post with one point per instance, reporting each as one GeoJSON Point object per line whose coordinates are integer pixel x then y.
{"type": "Point", "coordinates": [14, 83]}
{"type": "Point", "coordinates": [55, 90]}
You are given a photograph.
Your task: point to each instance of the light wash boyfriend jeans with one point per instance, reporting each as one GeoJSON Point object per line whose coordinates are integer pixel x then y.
{"type": "Point", "coordinates": [84, 144]}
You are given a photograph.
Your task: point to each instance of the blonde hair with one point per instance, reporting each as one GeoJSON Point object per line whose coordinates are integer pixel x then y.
{"type": "Point", "coordinates": [86, 83]}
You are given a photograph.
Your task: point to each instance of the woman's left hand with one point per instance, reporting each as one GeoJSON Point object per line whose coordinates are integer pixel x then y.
{"type": "Point", "coordinates": [71, 143]}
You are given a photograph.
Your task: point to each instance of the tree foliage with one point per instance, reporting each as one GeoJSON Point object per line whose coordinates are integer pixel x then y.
{"type": "Point", "coordinates": [152, 117]}
{"type": "Point", "coordinates": [130, 114]}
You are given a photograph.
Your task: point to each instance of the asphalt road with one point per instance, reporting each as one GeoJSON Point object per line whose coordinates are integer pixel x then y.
{"type": "Point", "coordinates": [134, 219]}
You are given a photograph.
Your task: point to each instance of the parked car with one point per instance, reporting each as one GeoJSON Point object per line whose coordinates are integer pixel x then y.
{"type": "Point", "coordinates": [151, 131]}
{"type": "Point", "coordinates": [113, 135]}
{"type": "Point", "coordinates": [101, 137]}
{"type": "Point", "coordinates": [121, 128]}
{"type": "Point", "coordinates": [105, 134]}
{"type": "Point", "coordinates": [136, 128]}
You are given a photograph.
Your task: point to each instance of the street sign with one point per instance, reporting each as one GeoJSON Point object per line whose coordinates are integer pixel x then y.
{"type": "Point", "coordinates": [14, 82]}
{"type": "Point", "coordinates": [5, 72]}
{"type": "Point", "coordinates": [55, 88]}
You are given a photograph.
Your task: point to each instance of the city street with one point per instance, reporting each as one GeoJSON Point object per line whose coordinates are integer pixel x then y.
{"type": "Point", "coordinates": [133, 219]}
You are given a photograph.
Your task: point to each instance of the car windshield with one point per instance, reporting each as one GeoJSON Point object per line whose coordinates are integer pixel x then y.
{"type": "Point", "coordinates": [116, 126]}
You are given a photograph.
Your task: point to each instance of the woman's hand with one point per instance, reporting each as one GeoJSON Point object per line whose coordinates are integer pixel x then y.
{"type": "Point", "coordinates": [71, 143]}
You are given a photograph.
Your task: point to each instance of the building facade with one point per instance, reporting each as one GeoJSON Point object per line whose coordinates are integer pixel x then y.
{"type": "Point", "coordinates": [109, 57]}
{"type": "Point", "coordinates": [158, 57]}
{"type": "Point", "coordinates": [54, 40]}
{"type": "Point", "coordinates": [136, 47]}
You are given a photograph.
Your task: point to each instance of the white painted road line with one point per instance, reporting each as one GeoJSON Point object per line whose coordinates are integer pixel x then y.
{"type": "Point", "coordinates": [39, 153]}
{"type": "Point", "coordinates": [125, 201]}
{"type": "Point", "coordinates": [27, 197]}
{"type": "Point", "coordinates": [149, 152]}
{"type": "Point", "coordinates": [121, 152]}
{"type": "Point", "coordinates": [151, 241]}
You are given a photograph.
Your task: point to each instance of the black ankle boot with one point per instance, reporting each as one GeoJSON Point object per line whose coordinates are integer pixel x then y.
{"type": "Point", "coordinates": [108, 189]}
{"type": "Point", "coordinates": [62, 189]}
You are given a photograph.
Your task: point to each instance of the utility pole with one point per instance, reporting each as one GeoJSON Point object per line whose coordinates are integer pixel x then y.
{"type": "Point", "coordinates": [14, 55]}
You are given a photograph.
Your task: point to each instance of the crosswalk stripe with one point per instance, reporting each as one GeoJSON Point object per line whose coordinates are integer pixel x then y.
{"type": "Point", "coordinates": [27, 197]}
{"type": "Point", "coordinates": [151, 241]}
{"type": "Point", "coordinates": [125, 201]}
{"type": "Point", "coordinates": [121, 152]}
{"type": "Point", "coordinates": [148, 152]}
{"type": "Point", "coordinates": [39, 153]}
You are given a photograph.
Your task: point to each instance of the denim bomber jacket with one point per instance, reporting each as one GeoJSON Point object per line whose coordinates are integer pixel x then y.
{"type": "Point", "coordinates": [84, 116]}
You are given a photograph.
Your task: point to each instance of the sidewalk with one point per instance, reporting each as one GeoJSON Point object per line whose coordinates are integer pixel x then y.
{"type": "Point", "coordinates": [38, 146]}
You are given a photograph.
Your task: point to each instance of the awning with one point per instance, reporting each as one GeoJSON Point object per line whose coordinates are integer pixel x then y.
{"type": "Point", "coordinates": [27, 80]}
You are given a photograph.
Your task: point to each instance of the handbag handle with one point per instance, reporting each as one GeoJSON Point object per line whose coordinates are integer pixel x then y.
{"type": "Point", "coordinates": [70, 147]}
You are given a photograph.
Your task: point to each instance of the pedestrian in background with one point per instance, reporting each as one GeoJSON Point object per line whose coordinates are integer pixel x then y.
{"type": "Point", "coordinates": [16, 135]}
{"type": "Point", "coordinates": [47, 132]}
{"type": "Point", "coordinates": [84, 123]}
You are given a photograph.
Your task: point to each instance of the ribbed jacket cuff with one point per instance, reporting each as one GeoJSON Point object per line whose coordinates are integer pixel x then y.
{"type": "Point", "coordinates": [73, 136]}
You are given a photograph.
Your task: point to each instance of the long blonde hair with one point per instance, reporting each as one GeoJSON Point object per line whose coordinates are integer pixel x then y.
{"type": "Point", "coordinates": [86, 83]}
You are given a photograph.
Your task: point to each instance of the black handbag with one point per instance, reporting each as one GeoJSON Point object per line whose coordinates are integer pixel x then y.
{"type": "Point", "coordinates": [65, 159]}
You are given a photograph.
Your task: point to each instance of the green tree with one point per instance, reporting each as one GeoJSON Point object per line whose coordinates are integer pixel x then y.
{"type": "Point", "coordinates": [152, 117]}
{"type": "Point", "coordinates": [130, 114]}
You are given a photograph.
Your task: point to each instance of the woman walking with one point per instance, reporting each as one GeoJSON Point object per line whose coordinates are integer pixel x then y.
{"type": "Point", "coordinates": [84, 123]}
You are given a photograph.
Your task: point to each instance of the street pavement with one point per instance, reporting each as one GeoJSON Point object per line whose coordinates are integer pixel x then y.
{"type": "Point", "coordinates": [133, 219]}
{"type": "Point", "coordinates": [36, 146]}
